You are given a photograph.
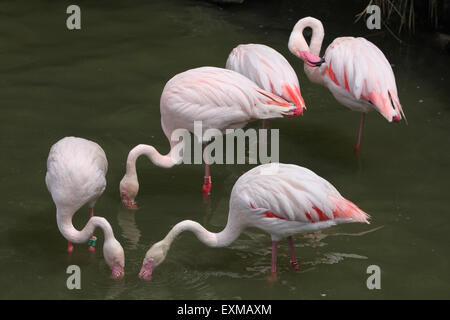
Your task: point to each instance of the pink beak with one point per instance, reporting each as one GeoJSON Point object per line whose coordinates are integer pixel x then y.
{"type": "Point", "coordinates": [128, 203]}
{"type": "Point", "coordinates": [396, 118]}
{"type": "Point", "coordinates": [118, 272]}
{"type": "Point", "coordinates": [146, 271]}
{"type": "Point", "coordinates": [310, 59]}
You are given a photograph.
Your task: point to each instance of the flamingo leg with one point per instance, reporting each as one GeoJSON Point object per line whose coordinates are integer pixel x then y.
{"type": "Point", "coordinates": [273, 269]}
{"type": "Point", "coordinates": [208, 183]}
{"type": "Point", "coordinates": [93, 238]}
{"type": "Point", "coordinates": [294, 262]}
{"type": "Point", "coordinates": [69, 247]}
{"type": "Point", "coordinates": [358, 144]}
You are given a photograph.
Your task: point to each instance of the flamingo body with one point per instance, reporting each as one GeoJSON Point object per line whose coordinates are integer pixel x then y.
{"type": "Point", "coordinates": [281, 199]}
{"type": "Point", "coordinates": [76, 170]}
{"type": "Point", "coordinates": [269, 70]}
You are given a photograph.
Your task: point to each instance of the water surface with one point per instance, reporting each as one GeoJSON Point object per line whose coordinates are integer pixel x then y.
{"type": "Point", "coordinates": [104, 83]}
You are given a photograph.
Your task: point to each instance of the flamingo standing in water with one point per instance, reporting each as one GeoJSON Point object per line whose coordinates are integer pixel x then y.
{"type": "Point", "coordinates": [281, 199]}
{"type": "Point", "coordinates": [355, 71]}
{"type": "Point", "coordinates": [219, 98]}
{"type": "Point", "coordinates": [76, 170]}
{"type": "Point", "coordinates": [269, 70]}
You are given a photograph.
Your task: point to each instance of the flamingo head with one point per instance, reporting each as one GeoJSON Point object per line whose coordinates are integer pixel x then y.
{"type": "Point", "coordinates": [129, 188]}
{"type": "Point", "coordinates": [154, 257]}
{"type": "Point", "coordinates": [115, 258]}
{"type": "Point", "coordinates": [310, 59]}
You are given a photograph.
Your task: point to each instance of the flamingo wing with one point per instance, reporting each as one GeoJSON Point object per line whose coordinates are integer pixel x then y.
{"type": "Point", "coordinates": [293, 193]}
{"type": "Point", "coordinates": [220, 98]}
{"type": "Point", "coordinates": [357, 66]}
{"type": "Point", "coordinates": [268, 69]}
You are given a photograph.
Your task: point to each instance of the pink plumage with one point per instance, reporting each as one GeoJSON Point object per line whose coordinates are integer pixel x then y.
{"type": "Point", "coordinates": [269, 70]}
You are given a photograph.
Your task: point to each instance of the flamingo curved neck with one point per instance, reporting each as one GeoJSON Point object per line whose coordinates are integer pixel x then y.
{"type": "Point", "coordinates": [316, 38]}
{"type": "Point", "coordinates": [64, 221]}
{"type": "Point", "coordinates": [163, 161]}
{"type": "Point", "coordinates": [297, 42]}
{"type": "Point", "coordinates": [222, 239]}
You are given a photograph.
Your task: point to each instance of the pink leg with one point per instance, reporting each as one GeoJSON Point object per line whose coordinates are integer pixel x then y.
{"type": "Point", "coordinates": [208, 183]}
{"type": "Point", "coordinates": [91, 213]}
{"type": "Point", "coordinates": [294, 262]}
{"type": "Point", "coordinates": [358, 144]}
{"type": "Point", "coordinates": [69, 247]}
{"type": "Point", "coordinates": [273, 269]}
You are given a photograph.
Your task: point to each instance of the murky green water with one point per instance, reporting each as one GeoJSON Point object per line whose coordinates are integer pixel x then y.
{"type": "Point", "coordinates": [104, 82]}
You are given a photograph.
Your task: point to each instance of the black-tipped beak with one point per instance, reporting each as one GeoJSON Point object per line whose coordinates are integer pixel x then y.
{"type": "Point", "coordinates": [318, 63]}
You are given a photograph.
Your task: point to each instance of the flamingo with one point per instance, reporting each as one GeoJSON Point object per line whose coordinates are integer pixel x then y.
{"type": "Point", "coordinates": [219, 98]}
{"type": "Point", "coordinates": [269, 70]}
{"type": "Point", "coordinates": [76, 170]}
{"type": "Point", "coordinates": [355, 71]}
{"type": "Point", "coordinates": [283, 201]}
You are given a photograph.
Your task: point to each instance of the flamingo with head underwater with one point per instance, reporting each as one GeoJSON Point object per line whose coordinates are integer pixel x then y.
{"type": "Point", "coordinates": [220, 99]}
{"type": "Point", "coordinates": [76, 170]}
{"type": "Point", "coordinates": [355, 71]}
{"type": "Point", "coordinates": [281, 199]}
{"type": "Point", "coordinates": [270, 71]}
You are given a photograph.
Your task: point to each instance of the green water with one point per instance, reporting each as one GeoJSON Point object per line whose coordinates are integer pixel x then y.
{"type": "Point", "coordinates": [104, 83]}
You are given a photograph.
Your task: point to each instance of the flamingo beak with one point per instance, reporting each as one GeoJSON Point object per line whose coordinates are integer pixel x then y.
{"type": "Point", "coordinates": [146, 271]}
{"type": "Point", "coordinates": [310, 59]}
{"type": "Point", "coordinates": [316, 63]}
{"type": "Point", "coordinates": [396, 118]}
{"type": "Point", "coordinates": [117, 272]}
{"type": "Point", "coordinates": [128, 203]}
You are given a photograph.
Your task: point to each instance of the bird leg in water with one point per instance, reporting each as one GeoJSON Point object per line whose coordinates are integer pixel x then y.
{"type": "Point", "coordinates": [69, 247]}
{"type": "Point", "coordinates": [93, 238]}
{"type": "Point", "coordinates": [273, 270]}
{"type": "Point", "coordinates": [360, 132]}
{"type": "Point", "coordinates": [208, 183]}
{"type": "Point", "coordinates": [294, 262]}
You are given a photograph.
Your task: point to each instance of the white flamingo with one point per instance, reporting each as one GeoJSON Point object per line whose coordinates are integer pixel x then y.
{"type": "Point", "coordinates": [76, 170]}
{"type": "Point", "coordinates": [219, 98]}
{"type": "Point", "coordinates": [355, 71]}
{"type": "Point", "coordinates": [281, 199]}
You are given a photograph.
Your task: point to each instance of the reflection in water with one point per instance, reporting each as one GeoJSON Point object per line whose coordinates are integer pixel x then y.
{"type": "Point", "coordinates": [127, 223]}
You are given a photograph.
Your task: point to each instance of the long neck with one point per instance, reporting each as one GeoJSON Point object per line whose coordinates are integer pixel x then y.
{"type": "Point", "coordinates": [221, 239]}
{"type": "Point", "coordinates": [297, 41]}
{"type": "Point", "coordinates": [164, 161]}
{"type": "Point", "coordinates": [64, 220]}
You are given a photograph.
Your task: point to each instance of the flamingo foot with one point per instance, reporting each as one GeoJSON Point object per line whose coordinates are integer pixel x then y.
{"type": "Point", "coordinates": [295, 266]}
{"type": "Point", "coordinates": [272, 278]}
{"type": "Point", "coordinates": [69, 247]}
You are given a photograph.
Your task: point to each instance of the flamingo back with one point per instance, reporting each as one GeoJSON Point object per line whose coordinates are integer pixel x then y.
{"type": "Point", "coordinates": [356, 67]}
{"type": "Point", "coordinates": [76, 170]}
{"type": "Point", "coordinates": [291, 193]}
{"type": "Point", "coordinates": [268, 69]}
{"type": "Point", "coordinates": [220, 98]}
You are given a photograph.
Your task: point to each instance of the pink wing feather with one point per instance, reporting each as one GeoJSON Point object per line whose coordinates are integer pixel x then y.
{"type": "Point", "coordinates": [268, 69]}
{"type": "Point", "coordinates": [359, 67]}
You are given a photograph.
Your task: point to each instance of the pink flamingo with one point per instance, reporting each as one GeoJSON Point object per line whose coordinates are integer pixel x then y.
{"type": "Point", "coordinates": [76, 170]}
{"type": "Point", "coordinates": [219, 98]}
{"type": "Point", "coordinates": [281, 199]}
{"type": "Point", "coordinates": [355, 71]}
